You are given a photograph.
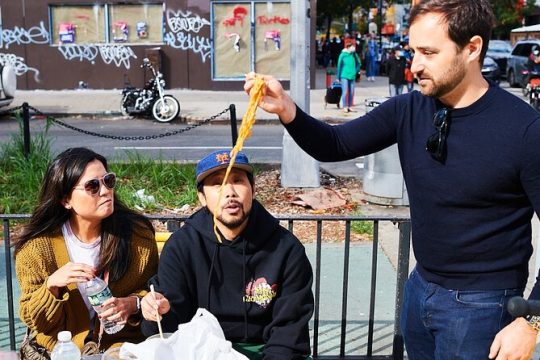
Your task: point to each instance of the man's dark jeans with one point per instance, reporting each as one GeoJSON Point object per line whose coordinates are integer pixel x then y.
{"type": "Point", "coordinates": [441, 324]}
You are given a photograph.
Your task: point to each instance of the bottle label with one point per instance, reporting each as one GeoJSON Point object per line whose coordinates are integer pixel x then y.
{"type": "Point", "coordinates": [98, 298]}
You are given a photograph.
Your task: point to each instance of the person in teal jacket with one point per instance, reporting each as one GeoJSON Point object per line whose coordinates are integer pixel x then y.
{"type": "Point", "coordinates": [347, 67]}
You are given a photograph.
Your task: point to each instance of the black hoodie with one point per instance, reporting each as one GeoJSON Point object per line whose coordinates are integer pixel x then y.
{"type": "Point", "coordinates": [258, 285]}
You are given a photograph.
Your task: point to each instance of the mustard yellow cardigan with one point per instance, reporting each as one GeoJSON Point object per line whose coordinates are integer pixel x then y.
{"type": "Point", "coordinates": [47, 315]}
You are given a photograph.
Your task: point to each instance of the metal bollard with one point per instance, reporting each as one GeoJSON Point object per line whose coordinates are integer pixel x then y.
{"type": "Point", "coordinates": [234, 126]}
{"type": "Point", "coordinates": [26, 130]}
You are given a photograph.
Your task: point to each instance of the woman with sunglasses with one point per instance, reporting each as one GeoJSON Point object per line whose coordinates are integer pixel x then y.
{"type": "Point", "coordinates": [80, 230]}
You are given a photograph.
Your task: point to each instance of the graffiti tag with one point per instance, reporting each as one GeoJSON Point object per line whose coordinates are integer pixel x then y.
{"type": "Point", "coordinates": [185, 21]}
{"type": "Point", "coordinates": [21, 36]}
{"type": "Point", "coordinates": [182, 26]}
{"type": "Point", "coordinates": [79, 52]}
{"type": "Point", "coordinates": [117, 54]}
{"type": "Point", "coordinates": [197, 44]}
{"type": "Point", "coordinates": [18, 64]}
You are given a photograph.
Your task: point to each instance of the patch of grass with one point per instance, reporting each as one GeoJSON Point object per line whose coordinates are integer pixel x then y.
{"type": "Point", "coordinates": [171, 185]}
{"type": "Point", "coordinates": [362, 227]}
{"type": "Point", "coordinates": [20, 178]}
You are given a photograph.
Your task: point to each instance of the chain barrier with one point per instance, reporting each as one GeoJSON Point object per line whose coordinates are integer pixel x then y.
{"type": "Point", "coordinates": [11, 111]}
{"type": "Point", "coordinates": [117, 137]}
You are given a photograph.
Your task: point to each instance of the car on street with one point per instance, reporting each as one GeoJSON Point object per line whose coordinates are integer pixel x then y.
{"type": "Point", "coordinates": [8, 84]}
{"type": "Point", "coordinates": [491, 70]}
{"type": "Point", "coordinates": [500, 50]}
{"type": "Point", "coordinates": [517, 62]}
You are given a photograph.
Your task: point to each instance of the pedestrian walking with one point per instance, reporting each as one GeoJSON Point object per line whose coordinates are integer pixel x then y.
{"type": "Point", "coordinates": [469, 155]}
{"type": "Point", "coordinates": [371, 58]}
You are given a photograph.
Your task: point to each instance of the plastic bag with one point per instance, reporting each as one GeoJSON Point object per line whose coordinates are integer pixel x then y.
{"type": "Point", "coordinates": [200, 339]}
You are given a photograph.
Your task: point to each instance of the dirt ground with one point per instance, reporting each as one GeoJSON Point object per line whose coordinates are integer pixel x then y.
{"type": "Point", "coordinates": [279, 201]}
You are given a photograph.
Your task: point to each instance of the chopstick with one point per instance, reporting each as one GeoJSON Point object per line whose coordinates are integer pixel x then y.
{"type": "Point", "coordinates": [157, 313]}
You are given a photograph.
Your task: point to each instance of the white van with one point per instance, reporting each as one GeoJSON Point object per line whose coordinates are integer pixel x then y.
{"type": "Point", "coordinates": [8, 84]}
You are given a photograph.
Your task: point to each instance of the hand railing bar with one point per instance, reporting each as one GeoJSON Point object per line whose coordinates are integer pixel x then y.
{"type": "Point", "coordinates": [283, 217]}
{"type": "Point", "coordinates": [402, 275]}
{"type": "Point", "coordinates": [344, 298]}
{"type": "Point", "coordinates": [11, 312]}
{"type": "Point", "coordinates": [374, 257]}
{"type": "Point", "coordinates": [317, 289]}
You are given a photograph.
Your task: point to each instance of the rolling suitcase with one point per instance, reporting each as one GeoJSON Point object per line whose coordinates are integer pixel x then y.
{"type": "Point", "coordinates": [333, 94]}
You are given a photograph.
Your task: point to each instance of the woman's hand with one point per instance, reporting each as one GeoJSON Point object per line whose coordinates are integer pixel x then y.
{"type": "Point", "coordinates": [119, 309]}
{"type": "Point", "coordinates": [274, 100]}
{"type": "Point", "coordinates": [151, 306]}
{"type": "Point", "coordinates": [68, 274]}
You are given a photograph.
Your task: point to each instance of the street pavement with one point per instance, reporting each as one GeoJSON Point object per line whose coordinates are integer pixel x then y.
{"type": "Point", "coordinates": [195, 104]}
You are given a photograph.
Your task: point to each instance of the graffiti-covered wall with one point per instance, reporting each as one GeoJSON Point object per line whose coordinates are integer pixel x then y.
{"type": "Point", "coordinates": [61, 44]}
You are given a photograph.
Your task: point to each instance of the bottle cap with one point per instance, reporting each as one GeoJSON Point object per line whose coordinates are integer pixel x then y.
{"type": "Point", "coordinates": [64, 336]}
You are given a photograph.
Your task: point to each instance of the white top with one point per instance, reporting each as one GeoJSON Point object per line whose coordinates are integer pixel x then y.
{"type": "Point", "coordinates": [80, 252]}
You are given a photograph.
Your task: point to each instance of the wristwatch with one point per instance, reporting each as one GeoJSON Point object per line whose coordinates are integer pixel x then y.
{"type": "Point", "coordinates": [534, 321]}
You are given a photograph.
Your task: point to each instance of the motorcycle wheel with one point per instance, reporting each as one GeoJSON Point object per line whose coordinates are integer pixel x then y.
{"type": "Point", "coordinates": [123, 109]}
{"type": "Point", "coordinates": [166, 110]}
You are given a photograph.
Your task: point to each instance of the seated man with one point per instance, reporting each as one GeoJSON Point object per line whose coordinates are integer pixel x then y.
{"type": "Point", "coordinates": [257, 282]}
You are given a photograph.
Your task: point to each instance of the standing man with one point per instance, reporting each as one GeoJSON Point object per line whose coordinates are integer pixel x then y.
{"type": "Point", "coordinates": [256, 282]}
{"type": "Point", "coordinates": [395, 68]}
{"type": "Point", "coordinates": [469, 152]}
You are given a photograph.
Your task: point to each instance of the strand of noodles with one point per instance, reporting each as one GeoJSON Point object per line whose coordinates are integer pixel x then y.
{"type": "Point", "coordinates": [248, 120]}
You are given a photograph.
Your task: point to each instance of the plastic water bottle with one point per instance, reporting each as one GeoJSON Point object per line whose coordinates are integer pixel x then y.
{"type": "Point", "coordinates": [65, 349]}
{"type": "Point", "coordinates": [98, 292]}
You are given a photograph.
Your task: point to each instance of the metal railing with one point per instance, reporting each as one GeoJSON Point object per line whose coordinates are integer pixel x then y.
{"type": "Point", "coordinates": [404, 231]}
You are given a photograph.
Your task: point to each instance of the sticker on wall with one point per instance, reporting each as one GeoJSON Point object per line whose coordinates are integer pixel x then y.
{"type": "Point", "coordinates": [66, 33]}
{"type": "Point", "coordinates": [142, 30]}
{"type": "Point", "coordinates": [120, 31]}
{"type": "Point", "coordinates": [275, 36]}
{"type": "Point", "coordinates": [236, 40]}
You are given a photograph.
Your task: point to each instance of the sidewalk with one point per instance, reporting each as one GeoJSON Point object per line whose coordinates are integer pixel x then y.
{"type": "Point", "coordinates": [195, 105]}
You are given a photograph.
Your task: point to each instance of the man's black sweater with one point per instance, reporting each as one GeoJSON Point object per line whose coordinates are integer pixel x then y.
{"type": "Point", "coordinates": [471, 215]}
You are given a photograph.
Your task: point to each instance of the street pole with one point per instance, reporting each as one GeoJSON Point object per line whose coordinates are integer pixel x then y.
{"type": "Point", "coordinates": [380, 22]}
{"type": "Point", "coordinates": [298, 169]}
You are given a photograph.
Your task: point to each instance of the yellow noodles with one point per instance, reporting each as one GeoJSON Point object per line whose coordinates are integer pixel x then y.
{"type": "Point", "coordinates": [248, 120]}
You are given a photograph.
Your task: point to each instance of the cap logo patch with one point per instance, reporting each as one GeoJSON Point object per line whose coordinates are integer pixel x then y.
{"type": "Point", "coordinates": [223, 158]}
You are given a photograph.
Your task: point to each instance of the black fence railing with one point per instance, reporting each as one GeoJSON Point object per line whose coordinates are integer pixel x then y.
{"type": "Point", "coordinates": [331, 339]}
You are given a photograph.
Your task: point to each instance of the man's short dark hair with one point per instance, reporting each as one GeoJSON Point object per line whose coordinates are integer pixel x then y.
{"type": "Point", "coordinates": [465, 19]}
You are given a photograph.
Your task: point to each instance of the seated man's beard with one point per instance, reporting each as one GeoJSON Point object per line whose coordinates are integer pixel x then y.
{"type": "Point", "coordinates": [236, 221]}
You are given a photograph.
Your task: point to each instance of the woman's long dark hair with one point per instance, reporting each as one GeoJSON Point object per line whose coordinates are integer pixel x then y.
{"type": "Point", "coordinates": [50, 214]}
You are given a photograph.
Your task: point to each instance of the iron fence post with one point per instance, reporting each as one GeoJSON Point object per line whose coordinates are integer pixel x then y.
{"type": "Point", "coordinates": [11, 312]}
{"type": "Point", "coordinates": [402, 275]}
{"type": "Point", "coordinates": [234, 127]}
{"type": "Point", "coordinates": [26, 130]}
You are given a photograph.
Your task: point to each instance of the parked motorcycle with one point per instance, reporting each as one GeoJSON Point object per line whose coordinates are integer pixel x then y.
{"type": "Point", "coordinates": [151, 99]}
{"type": "Point", "coordinates": [532, 88]}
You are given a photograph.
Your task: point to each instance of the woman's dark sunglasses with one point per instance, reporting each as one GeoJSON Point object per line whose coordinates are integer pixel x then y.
{"type": "Point", "coordinates": [93, 186]}
{"type": "Point", "coordinates": [436, 143]}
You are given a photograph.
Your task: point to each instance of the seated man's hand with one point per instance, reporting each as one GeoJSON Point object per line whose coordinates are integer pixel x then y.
{"type": "Point", "coordinates": [153, 304]}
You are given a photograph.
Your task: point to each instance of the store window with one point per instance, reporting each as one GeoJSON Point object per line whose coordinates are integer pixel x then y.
{"type": "Point", "coordinates": [78, 24]}
{"type": "Point", "coordinates": [136, 24]}
{"type": "Point", "coordinates": [101, 24]}
{"type": "Point", "coordinates": [250, 36]}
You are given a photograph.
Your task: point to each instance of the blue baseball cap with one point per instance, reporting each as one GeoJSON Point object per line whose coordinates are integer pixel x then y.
{"type": "Point", "coordinates": [218, 160]}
